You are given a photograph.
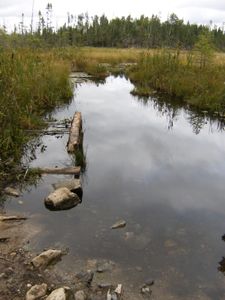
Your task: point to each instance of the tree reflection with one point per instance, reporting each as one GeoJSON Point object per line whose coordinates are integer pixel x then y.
{"type": "Point", "coordinates": [221, 267]}
{"type": "Point", "coordinates": [172, 108]}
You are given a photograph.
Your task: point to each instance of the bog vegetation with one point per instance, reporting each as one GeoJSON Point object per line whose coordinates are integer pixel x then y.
{"type": "Point", "coordinates": [179, 59]}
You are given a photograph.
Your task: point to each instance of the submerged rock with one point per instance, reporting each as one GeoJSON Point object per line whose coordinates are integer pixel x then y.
{"type": "Point", "coordinates": [11, 192]}
{"type": "Point", "coordinates": [145, 289]}
{"type": "Point", "coordinates": [137, 241]}
{"type": "Point", "coordinates": [74, 185]}
{"type": "Point", "coordinates": [64, 293]}
{"type": "Point", "coordinates": [37, 291]}
{"type": "Point", "coordinates": [119, 224]}
{"type": "Point", "coordinates": [47, 258]}
{"type": "Point", "coordinates": [62, 199]}
{"type": "Point", "coordinates": [103, 266]}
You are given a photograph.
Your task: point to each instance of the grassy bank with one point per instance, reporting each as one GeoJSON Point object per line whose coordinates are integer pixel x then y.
{"type": "Point", "coordinates": [197, 80]}
{"type": "Point", "coordinates": [96, 61]}
{"type": "Point", "coordinates": [30, 85]}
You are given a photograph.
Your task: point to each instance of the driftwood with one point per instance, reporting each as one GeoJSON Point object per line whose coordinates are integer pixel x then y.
{"type": "Point", "coordinates": [75, 135]}
{"type": "Point", "coordinates": [11, 218]}
{"type": "Point", "coordinates": [65, 171]}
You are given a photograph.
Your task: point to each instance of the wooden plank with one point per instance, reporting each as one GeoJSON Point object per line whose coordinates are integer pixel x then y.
{"type": "Point", "coordinates": [63, 171]}
{"type": "Point", "coordinates": [75, 135]}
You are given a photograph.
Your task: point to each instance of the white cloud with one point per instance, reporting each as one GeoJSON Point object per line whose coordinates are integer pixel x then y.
{"type": "Point", "coordinates": [201, 11]}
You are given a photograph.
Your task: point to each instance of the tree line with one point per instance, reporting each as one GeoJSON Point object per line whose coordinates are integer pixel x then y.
{"type": "Point", "coordinates": [82, 30]}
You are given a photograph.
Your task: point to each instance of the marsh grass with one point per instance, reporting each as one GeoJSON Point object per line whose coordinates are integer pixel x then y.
{"type": "Point", "coordinates": [30, 85]}
{"type": "Point", "coordinates": [34, 81]}
{"type": "Point", "coordinates": [183, 77]}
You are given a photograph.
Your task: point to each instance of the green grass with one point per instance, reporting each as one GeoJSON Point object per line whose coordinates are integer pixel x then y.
{"type": "Point", "coordinates": [30, 85]}
{"type": "Point", "coordinates": [201, 87]}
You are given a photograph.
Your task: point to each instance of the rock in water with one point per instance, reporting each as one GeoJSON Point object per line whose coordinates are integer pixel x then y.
{"type": "Point", "coordinates": [80, 295]}
{"type": "Point", "coordinates": [118, 289]}
{"type": "Point", "coordinates": [46, 258]}
{"type": "Point", "coordinates": [61, 199]}
{"type": "Point", "coordinates": [11, 192]}
{"type": "Point", "coordinates": [64, 293]}
{"type": "Point", "coordinates": [119, 224]}
{"type": "Point", "coordinates": [85, 278]}
{"type": "Point", "coordinates": [37, 291]}
{"type": "Point", "coordinates": [74, 185]}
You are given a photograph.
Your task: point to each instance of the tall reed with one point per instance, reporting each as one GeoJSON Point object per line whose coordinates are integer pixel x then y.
{"type": "Point", "coordinates": [165, 71]}
{"type": "Point", "coordinates": [30, 84]}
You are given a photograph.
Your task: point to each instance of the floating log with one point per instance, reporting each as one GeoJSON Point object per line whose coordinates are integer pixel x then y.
{"type": "Point", "coordinates": [11, 218]}
{"type": "Point", "coordinates": [75, 135]}
{"type": "Point", "coordinates": [63, 171]}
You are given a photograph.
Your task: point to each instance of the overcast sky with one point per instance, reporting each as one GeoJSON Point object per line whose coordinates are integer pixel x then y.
{"type": "Point", "coordinates": [196, 11]}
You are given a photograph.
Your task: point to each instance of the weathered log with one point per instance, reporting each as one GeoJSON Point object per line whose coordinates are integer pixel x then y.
{"type": "Point", "coordinates": [75, 135]}
{"type": "Point", "coordinates": [64, 171]}
{"type": "Point", "coordinates": [11, 218]}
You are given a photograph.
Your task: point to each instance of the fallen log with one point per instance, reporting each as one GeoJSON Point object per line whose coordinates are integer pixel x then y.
{"type": "Point", "coordinates": [63, 171]}
{"type": "Point", "coordinates": [12, 218]}
{"type": "Point", "coordinates": [75, 134]}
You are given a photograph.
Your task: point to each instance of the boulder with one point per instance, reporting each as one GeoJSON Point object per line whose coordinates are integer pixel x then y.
{"type": "Point", "coordinates": [37, 291]}
{"type": "Point", "coordinates": [61, 199]}
{"type": "Point", "coordinates": [63, 293]}
{"type": "Point", "coordinates": [74, 185]}
{"type": "Point", "coordinates": [47, 258]}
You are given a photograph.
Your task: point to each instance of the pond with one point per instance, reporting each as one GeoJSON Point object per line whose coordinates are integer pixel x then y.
{"type": "Point", "coordinates": [158, 166]}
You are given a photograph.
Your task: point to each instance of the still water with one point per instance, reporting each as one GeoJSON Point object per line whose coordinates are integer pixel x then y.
{"type": "Point", "coordinates": [158, 166]}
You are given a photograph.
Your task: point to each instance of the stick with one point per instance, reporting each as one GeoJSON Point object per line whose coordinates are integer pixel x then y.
{"type": "Point", "coordinates": [12, 218]}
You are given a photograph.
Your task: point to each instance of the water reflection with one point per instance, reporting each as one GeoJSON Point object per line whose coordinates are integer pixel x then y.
{"type": "Point", "coordinates": [168, 185]}
{"type": "Point", "coordinates": [171, 108]}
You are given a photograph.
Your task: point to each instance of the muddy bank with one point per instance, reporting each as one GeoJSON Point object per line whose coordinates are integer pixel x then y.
{"type": "Point", "coordinates": [20, 270]}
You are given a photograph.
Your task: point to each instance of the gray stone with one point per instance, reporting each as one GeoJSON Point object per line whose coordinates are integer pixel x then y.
{"type": "Point", "coordinates": [85, 277]}
{"type": "Point", "coordinates": [111, 295]}
{"type": "Point", "coordinates": [74, 185]}
{"type": "Point", "coordinates": [37, 291]}
{"type": "Point", "coordinates": [61, 199]}
{"type": "Point", "coordinates": [12, 192]}
{"type": "Point", "coordinates": [46, 258]}
{"type": "Point", "coordinates": [145, 289]}
{"type": "Point", "coordinates": [63, 293]}
{"type": "Point", "coordinates": [119, 224]}
{"type": "Point", "coordinates": [103, 266]}
{"type": "Point", "coordinates": [80, 295]}
{"type": "Point", "coordinates": [104, 285]}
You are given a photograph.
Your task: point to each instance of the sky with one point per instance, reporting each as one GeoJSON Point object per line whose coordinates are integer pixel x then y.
{"type": "Point", "coordinates": [195, 11]}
